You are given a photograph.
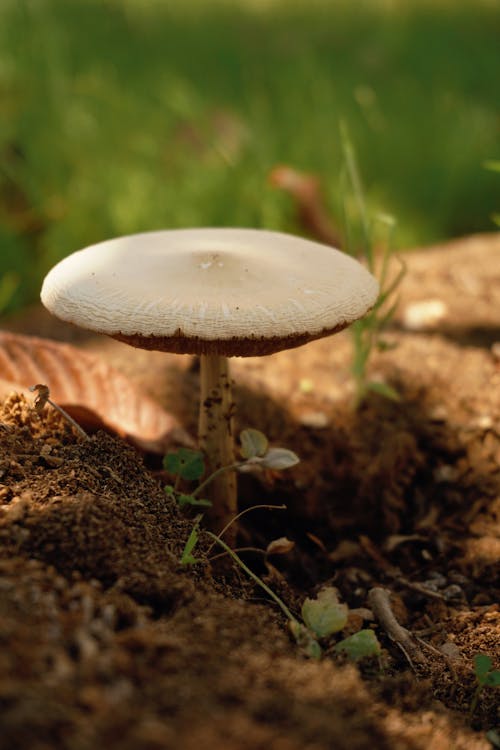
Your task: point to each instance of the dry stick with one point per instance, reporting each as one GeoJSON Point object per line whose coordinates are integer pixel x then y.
{"type": "Point", "coordinates": [414, 586]}
{"type": "Point", "coordinates": [43, 398]}
{"type": "Point", "coordinates": [379, 603]}
{"type": "Point", "coordinates": [393, 572]}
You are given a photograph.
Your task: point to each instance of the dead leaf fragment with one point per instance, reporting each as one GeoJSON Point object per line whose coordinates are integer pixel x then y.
{"type": "Point", "coordinates": [280, 546]}
{"type": "Point", "coordinates": [96, 395]}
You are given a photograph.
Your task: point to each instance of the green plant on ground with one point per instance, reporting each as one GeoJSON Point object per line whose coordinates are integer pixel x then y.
{"type": "Point", "coordinates": [486, 676]}
{"type": "Point", "coordinates": [189, 465]}
{"type": "Point", "coordinates": [322, 617]}
{"type": "Point", "coordinates": [360, 240]}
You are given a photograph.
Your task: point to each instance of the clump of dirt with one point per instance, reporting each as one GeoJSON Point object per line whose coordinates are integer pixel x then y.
{"type": "Point", "coordinates": [108, 641]}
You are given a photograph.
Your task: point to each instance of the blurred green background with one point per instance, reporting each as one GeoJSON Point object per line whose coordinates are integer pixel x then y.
{"type": "Point", "coordinates": [121, 116]}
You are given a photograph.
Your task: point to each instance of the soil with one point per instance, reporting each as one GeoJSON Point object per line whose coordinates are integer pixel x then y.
{"type": "Point", "coordinates": [108, 641]}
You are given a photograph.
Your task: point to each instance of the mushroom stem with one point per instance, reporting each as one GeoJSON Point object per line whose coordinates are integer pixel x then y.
{"type": "Point", "coordinates": [216, 439]}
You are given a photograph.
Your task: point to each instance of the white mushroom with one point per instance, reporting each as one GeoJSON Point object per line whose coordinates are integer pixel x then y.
{"type": "Point", "coordinates": [217, 293]}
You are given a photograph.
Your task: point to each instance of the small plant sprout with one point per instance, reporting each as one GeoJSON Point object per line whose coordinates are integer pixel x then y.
{"type": "Point", "coordinates": [187, 557]}
{"type": "Point", "coordinates": [486, 676]}
{"type": "Point", "coordinates": [361, 645]}
{"type": "Point", "coordinates": [217, 293]}
{"type": "Point", "coordinates": [325, 615]}
{"type": "Point", "coordinates": [360, 241]}
{"type": "Point", "coordinates": [323, 618]}
{"type": "Point", "coordinates": [189, 465]}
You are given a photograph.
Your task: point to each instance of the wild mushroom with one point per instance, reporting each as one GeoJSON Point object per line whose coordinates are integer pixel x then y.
{"type": "Point", "coordinates": [217, 293]}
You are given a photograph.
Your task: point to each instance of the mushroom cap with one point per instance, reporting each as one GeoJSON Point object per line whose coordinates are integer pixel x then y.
{"type": "Point", "coordinates": [234, 292]}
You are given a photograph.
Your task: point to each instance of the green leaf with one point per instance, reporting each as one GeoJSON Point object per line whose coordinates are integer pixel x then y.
{"type": "Point", "coordinates": [187, 558]}
{"type": "Point", "coordinates": [187, 463]}
{"type": "Point", "coordinates": [361, 645]}
{"type": "Point", "coordinates": [383, 389]}
{"type": "Point", "coordinates": [171, 463]}
{"type": "Point", "coordinates": [305, 639]}
{"type": "Point", "coordinates": [482, 665]}
{"type": "Point", "coordinates": [493, 678]}
{"type": "Point", "coordinates": [325, 615]}
{"type": "Point", "coordinates": [253, 443]}
{"type": "Point", "coordinates": [279, 459]}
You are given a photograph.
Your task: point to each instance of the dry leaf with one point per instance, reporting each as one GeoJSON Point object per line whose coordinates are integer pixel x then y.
{"type": "Point", "coordinates": [280, 546]}
{"type": "Point", "coordinates": [93, 393]}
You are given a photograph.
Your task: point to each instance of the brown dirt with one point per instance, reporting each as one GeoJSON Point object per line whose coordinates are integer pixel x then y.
{"type": "Point", "coordinates": [107, 641]}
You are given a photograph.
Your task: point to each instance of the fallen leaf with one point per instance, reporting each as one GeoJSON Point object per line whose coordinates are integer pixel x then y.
{"type": "Point", "coordinates": [96, 395]}
{"type": "Point", "coordinates": [325, 615]}
{"type": "Point", "coordinates": [280, 546]}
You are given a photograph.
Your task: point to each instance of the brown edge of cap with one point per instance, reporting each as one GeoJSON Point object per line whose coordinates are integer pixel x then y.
{"type": "Point", "coordinates": [234, 347]}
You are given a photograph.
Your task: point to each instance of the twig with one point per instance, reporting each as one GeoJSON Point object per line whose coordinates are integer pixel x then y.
{"type": "Point", "coordinates": [43, 398]}
{"type": "Point", "coordinates": [419, 587]}
{"type": "Point", "coordinates": [379, 603]}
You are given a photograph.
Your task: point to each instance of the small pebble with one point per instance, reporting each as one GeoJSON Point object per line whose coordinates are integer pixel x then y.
{"type": "Point", "coordinates": [317, 420]}
{"type": "Point", "coordinates": [419, 316]}
{"type": "Point", "coordinates": [483, 422]}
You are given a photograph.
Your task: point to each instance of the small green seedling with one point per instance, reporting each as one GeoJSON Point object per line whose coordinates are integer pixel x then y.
{"type": "Point", "coordinates": [486, 676]}
{"type": "Point", "coordinates": [185, 463]}
{"type": "Point", "coordinates": [305, 640]}
{"type": "Point", "coordinates": [325, 615]}
{"type": "Point", "coordinates": [361, 645]}
{"type": "Point", "coordinates": [189, 465]}
{"type": "Point", "coordinates": [187, 557]}
{"type": "Point", "coordinates": [360, 240]}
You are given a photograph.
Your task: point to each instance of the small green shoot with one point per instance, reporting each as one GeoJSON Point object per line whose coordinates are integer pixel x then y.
{"type": "Point", "coordinates": [189, 465]}
{"type": "Point", "coordinates": [325, 615]}
{"type": "Point", "coordinates": [486, 676]}
{"type": "Point", "coordinates": [253, 443]}
{"type": "Point", "coordinates": [305, 640]}
{"type": "Point", "coordinates": [361, 645]}
{"type": "Point", "coordinates": [186, 463]}
{"type": "Point", "coordinates": [187, 557]}
{"type": "Point", "coordinates": [360, 241]}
